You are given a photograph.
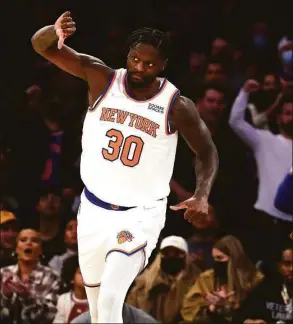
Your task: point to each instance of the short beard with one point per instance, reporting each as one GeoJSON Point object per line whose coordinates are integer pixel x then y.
{"type": "Point", "coordinates": [139, 85]}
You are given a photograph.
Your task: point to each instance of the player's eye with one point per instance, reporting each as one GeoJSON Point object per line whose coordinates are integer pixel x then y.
{"type": "Point", "coordinates": [135, 59]}
{"type": "Point", "coordinates": [150, 65]}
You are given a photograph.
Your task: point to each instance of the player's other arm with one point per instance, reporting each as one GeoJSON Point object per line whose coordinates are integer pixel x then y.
{"type": "Point", "coordinates": [185, 118]}
{"type": "Point", "coordinates": [48, 42]}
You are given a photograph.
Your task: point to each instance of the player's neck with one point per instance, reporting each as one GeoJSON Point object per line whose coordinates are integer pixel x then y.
{"type": "Point", "coordinates": [146, 92]}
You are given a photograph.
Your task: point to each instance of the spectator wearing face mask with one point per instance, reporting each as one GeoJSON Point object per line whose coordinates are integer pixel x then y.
{"type": "Point", "coordinates": [285, 49]}
{"type": "Point", "coordinates": [272, 299]}
{"type": "Point", "coordinates": [218, 292]}
{"type": "Point", "coordinates": [160, 289]}
{"type": "Point", "coordinates": [273, 155]}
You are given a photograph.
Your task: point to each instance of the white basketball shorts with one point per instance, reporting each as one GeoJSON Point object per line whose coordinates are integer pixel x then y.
{"type": "Point", "coordinates": [101, 232]}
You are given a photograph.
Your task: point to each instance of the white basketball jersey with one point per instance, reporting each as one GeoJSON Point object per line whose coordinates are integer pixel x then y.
{"type": "Point", "coordinates": [128, 149]}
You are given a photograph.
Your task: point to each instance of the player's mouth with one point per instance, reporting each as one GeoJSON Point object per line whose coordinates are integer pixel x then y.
{"type": "Point", "coordinates": [137, 77]}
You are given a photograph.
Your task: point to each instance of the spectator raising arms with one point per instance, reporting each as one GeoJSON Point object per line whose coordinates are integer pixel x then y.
{"type": "Point", "coordinates": [29, 290]}
{"type": "Point", "coordinates": [273, 155]}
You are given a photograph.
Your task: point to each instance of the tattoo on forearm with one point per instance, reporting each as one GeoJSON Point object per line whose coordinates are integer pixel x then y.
{"type": "Point", "coordinates": [45, 38]}
{"type": "Point", "coordinates": [206, 170]}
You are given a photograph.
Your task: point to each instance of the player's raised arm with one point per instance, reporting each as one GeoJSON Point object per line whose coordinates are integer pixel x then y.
{"type": "Point", "coordinates": [185, 119]}
{"type": "Point", "coordinates": [49, 42]}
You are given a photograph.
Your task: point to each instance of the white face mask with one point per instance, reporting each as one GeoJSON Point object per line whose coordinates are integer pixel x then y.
{"type": "Point", "coordinates": [287, 58]}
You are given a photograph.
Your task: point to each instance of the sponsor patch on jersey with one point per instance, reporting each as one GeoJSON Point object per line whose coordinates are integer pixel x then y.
{"type": "Point", "coordinates": [156, 108]}
{"type": "Point", "coordinates": [124, 236]}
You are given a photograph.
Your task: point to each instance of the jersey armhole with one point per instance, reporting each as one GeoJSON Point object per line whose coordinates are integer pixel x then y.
{"type": "Point", "coordinates": [168, 112]}
{"type": "Point", "coordinates": [105, 92]}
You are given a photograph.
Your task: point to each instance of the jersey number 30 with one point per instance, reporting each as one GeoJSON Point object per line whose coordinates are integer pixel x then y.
{"type": "Point", "coordinates": [127, 149]}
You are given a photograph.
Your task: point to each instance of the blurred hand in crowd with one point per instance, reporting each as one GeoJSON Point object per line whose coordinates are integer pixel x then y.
{"type": "Point", "coordinates": [218, 298]}
{"type": "Point", "coordinates": [251, 86]}
{"type": "Point", "coordinates": [10, 286]}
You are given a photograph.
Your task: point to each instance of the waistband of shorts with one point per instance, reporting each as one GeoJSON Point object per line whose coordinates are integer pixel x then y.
{"type": "Point", "coordinates": [100, 203]}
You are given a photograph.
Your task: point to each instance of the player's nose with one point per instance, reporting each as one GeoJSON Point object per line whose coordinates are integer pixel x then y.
{"type": "Point", "coordinates": [139, 67]}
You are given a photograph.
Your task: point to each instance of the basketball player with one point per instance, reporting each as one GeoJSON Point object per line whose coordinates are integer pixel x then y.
{"type": "Point", "coordinates": [129, 144]}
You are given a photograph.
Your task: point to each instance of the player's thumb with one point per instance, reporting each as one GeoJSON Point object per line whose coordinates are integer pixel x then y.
{"type": "Point", "coordinates": [60, 42]}
{"type": "Point", "coordinates": [179, 206]}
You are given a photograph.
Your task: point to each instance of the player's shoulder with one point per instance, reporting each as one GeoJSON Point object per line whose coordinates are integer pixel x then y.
{"type": "Point", "coordinates": [183, 103]}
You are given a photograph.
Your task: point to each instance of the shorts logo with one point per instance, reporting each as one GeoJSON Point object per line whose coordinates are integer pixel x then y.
{"type": "Point", "coordinates": [124, 236]}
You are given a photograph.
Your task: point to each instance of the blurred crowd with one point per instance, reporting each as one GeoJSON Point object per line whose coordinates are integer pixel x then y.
{"type": "Point", "coordinates": [234, 60]}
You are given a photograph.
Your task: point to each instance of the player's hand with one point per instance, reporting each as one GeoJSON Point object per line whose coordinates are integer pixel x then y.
{"type": "Point", "coordinates": [197, 209]}
{"type": "Point", "coordinates": [64, 27]}
{"type": "Point", "coordinates": [251, 86]}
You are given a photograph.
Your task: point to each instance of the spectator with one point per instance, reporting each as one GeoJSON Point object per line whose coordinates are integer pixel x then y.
{"type": "Point", "coordinates": [50, 210]}
{"type": "Point", "coordinates": [273, 155]}
{"type": "Point", "coordinates": [218, 292]}
{"type": "Point", "coordinates": [220, 46]}
{"type": "Point", "coordinates": [271, 301]}
{"type": "Point", "coordinates": [42, 155]}
{"type": "Point", "coordinates": [29, 290]}
{"type": "Point", "coordinates": [216, 70]}
{"type": "Point", "coordinates": [265, 102]}
{"type": "Point", "coordinates": [59, 168]}
{"type": "Point", "coordinates": [70, 240]}
{"type": "Point", "coordinates": [212, 107]}
{"type": "Point", "coordinates": [285, 50]}
{"type": "Point", "coordinates": [74, 302]}
{"type": "Point", "coordinates": [270, 82]}
{"type": "Point", "coordinates": [8, 232]}
{"type": "Point", "coordinates": [165, 282]}
{"type": "Point", "coordinates": [286, 80]}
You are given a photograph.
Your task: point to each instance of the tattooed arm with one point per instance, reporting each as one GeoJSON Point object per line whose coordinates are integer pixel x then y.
{"type": "Point", "coordinates": [185, 119]}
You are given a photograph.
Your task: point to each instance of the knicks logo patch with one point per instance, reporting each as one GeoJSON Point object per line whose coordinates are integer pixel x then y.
{"type": "Point", "coordinates": [124, 236]}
